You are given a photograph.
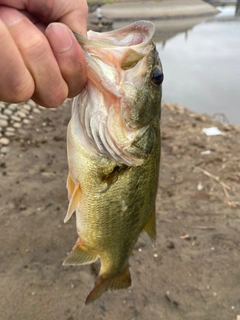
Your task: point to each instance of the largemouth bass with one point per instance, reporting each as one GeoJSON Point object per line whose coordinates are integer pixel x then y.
{"type": "Point", "coordinates": [113, 145]}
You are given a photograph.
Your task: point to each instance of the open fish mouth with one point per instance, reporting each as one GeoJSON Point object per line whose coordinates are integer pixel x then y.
{"type": "Point", "coordinates": [116, 114]}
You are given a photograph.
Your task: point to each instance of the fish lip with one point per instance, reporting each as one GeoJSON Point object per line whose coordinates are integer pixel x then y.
{"type": "Point", "coordinates": [140, 25]}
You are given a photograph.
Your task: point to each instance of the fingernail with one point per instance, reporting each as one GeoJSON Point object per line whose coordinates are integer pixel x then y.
{"type": "Point", "coordinates": [59, 37]}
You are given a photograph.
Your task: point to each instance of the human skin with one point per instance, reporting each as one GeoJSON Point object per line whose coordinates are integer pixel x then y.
{"type": "Point", "coordinates": [40, 57]}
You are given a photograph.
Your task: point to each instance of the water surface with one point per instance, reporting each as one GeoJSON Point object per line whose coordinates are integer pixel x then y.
{"type": "Point", "coordinates": [202, 67]}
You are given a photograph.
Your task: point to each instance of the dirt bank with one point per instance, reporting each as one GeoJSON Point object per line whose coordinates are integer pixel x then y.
{"type": "Point", "coordinates": [192, 274]}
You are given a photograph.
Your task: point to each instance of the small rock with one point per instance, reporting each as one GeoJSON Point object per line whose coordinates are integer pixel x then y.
{"type": "Point", "coordinates": [17, 125]}
{"type": "Point", "coordinates": [2, 105]}
{"type": "Point", "coordinates": [3, 123]}
{"type": "Point", "coordinates": [9, 134]}
{"type": "Point", "coordinates": [8, 112]}
{"type": "Point", "coordinates": [15, 118]}
{"type": "Point", "coordinates": [22, 207]}
{"type": "Point", "coordinates": [4, 141]}
{"type": "Point", "coordinates": [30, 117]}
{"type": "Point", "coordinates": [4, 150]}
{"type": "Point", "coordinates": [21, 114]}
{"type": "Point", "coordinates": [36, 110]}
{"type": "Point", "coordinates": [31, 103]}
{"type": "Point", "coordinates": [27, 107]}
{"type": "Point", "coordinates": [26, 121]}
{"type": "Point", "coordinates": [10, 129]}
{"type": "Point", "coordinates": [12, 107]}
{"type": "Point", "coordinates": [3, 116]}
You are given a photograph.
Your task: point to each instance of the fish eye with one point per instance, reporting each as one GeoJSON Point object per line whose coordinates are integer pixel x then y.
{"type": "Point", "coordinates": [157, 76]}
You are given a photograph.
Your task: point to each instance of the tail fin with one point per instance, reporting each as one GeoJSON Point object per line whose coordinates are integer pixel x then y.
{"type": "Point", "coordinates": [120, 281]}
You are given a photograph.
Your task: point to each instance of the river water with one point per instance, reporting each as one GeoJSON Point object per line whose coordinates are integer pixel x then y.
{"type": "Point", "coordinates": [202, 67]}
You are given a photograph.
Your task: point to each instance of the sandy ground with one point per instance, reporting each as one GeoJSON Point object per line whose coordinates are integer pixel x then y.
{"type": "Point", "coordinates": [192, 274]}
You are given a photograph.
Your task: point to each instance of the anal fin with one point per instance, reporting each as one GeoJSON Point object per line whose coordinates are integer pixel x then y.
{"type": "Point", "coordinates": [149, 231]}
{"type": "Point", "coordinates": [80, 255]}
{"type": "Point", "coordinates": [120, 281]}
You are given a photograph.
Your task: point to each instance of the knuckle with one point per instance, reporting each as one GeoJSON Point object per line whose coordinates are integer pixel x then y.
{"type": "Point", "coordinates": [35, 43]}
{"type": "Point", "coordinates": [20, 89]}
{"type": "Point", "coordinates": [51, 98]}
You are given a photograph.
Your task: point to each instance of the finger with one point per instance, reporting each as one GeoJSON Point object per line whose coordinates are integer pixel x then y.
{"type": "Point", "coordinates": [76, 19]}
{"type": "Point", "coordinates": [16, 82]}
{"type": "Point", "coordinates": [69, 55]}
{"type": "Point", "coordinates": [73, 13]}
{"type": "Point", "coordinates": [50, 88]}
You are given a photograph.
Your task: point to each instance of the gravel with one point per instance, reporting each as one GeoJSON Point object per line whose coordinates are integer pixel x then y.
{"type": "Point", "coordinates": [13, 117]}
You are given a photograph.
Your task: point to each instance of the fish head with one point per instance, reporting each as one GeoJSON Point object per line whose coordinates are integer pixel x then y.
{"type": "Point", "coordinates": [123, 92]}
{"type": "Point", "coordinates": [142, 81]}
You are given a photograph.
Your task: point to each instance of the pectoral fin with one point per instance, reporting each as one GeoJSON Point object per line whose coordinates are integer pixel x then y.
{"type": "Point", "coordinates": [80, 255]}
{"type": "Point", "coordinates": [70, 186]}
{"type": "Point", "coordinates": [149, 231]}
{"type": "Point", "coordinates": [75, 197]}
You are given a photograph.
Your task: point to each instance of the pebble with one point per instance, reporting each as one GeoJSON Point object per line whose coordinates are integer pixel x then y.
{"type": "Point", "coordinates": [8, 112]}
{"type": "Point", "coordinates": [9, 134]}
{"type": "Point", "coordinates": [3, 123]}
{"type": "Point", "coordinates": [31, 103]}
{"type": "Point", "coordinates": [17, 125]}
{"type": "Point", "coordinates": [36, 110]}
{"type": "Point", "coordinates": [15, 118]}
{"type": "Point", "coordinates": [2, 105]}
{"type": "Point", "coordinates": [10, 129]}
{"type": "Point", "coordinates": [12, 117]}
{"type": "Point", "coordinates": [4, 141]}
{"type": "Point", "coordinates": [21, 114]}
{"type": "Point", "coordinates": [4, 150]}
{"type": "Point", "coordinates": [12, 107]}
{"type": "Point", "coordinates": [27, 107]}
{"type": "Point", "coordinates": [3, 117]}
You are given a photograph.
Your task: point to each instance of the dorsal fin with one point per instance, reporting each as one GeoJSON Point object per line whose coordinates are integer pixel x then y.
{"type": "Point", "coordinates": [149, 231]}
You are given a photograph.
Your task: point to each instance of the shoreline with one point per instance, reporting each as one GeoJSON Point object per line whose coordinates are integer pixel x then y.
{"type": "Point", "coordinates": [169, 16]}
{"type": "Point", "coordinates": [164, 10]}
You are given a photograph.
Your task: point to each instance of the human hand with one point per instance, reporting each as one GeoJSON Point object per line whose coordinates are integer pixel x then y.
{"type": "Point", "coordinates": [39, 55]}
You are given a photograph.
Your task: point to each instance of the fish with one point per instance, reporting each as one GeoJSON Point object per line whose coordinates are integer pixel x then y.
{"type": "Point", "coordinates": [113, 150]}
